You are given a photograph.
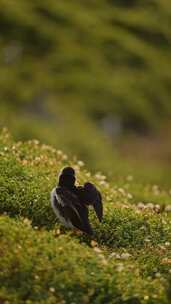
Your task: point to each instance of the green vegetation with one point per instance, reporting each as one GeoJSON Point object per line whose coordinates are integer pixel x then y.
{"type": "Point", "coordinates": [67, 66]}
{"type": "Point", "coordinates": [99, 56]}
{"type": "Point", "coordinates": [128, 260]}
{"type": "Point", "coordinates": [92, 78]}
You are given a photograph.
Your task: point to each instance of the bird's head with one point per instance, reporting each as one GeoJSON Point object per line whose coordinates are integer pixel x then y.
{"type": "Point", "coordinates": [67, 178]}
{"type": "Point", "coordinates": [68, 171]}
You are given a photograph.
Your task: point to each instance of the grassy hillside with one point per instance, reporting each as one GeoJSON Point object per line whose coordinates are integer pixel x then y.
{"type": "Point", "coordinates": [127, 261]}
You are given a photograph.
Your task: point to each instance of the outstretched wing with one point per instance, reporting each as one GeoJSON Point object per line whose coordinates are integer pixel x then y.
{"type": "Point", "coordinates": [98, 206]}
{"type": "Point", "coordinates": [89, 194]}
{"type": "Point", "coordinates": [72, 210]}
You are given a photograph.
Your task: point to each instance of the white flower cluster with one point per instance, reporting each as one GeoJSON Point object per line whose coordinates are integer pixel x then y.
{"type": "Point", "coordinates": [122, 256]}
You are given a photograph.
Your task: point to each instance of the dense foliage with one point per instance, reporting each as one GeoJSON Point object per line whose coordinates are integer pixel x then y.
{"type": "Point", "coordinates": [127, 261]}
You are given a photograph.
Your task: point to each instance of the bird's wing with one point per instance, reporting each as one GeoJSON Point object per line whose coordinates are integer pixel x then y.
{"type": "Point", "coordinates": [98, 206]}
{"type": "Point", "coordinates": [92, 196]}
{"type": "Point", "coordinates": [72, 210]}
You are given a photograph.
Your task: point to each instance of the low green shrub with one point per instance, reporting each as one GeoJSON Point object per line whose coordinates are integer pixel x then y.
{"type": "Point", "coordinates": [37, 267]}
{"type": "Point", "coordinates": [127, 260]}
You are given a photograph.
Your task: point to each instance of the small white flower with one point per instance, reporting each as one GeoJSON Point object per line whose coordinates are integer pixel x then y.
{"type": "Point", "coordinates": [155, 187]}
{"type": "Point", "coordinates": [129, 196]}
{"type": "Point", "coordinates": [81, 163]}
{"type": "Point", "coordinates": [59, 152]}
{"type": "Point", "coordinates": [141, 206]}
{"type": "Point", "coordinates": [168, 208]}
{"type": "Point", "coordinates": [113, 255]}
{"type": "Point", "coordinates": [88, 174]}
{"type": "Point", "coordinates": [147, 240]}
{"type": "Point", "coordinates": [125, 256]}
{"type": "Point", "coordinates": [120, 267]}
{"type": "Point", "coordinates": [26, 221]}
{"type": "Point", "coordinates": [129, 178]}
{"type": "Point", "coordinates": [64, 157]}
{"type": "Point", "coordinates": [157, 207]}
{"type": "Point", "coordinates": [96, 249]}
{"type": "Point", "coordinates": [121, 190]}
{"type": "Point", "coordinates": [102, 183]}
{"type": "Point", "coordinates": [150, 206]}
{"type": "Point", "coordinates": [36, 142]}
{"type": "Point", "coordinates": [100, 177]}
{"type": "Point", "coordinates": [36, 277]}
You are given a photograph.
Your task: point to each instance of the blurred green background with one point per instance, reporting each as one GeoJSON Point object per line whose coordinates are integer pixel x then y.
{"type": "Point", "coordinates": [92, 78]}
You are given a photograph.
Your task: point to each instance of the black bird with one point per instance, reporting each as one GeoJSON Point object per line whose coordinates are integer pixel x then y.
{"type": "Point", "coordinates": [70, 203]}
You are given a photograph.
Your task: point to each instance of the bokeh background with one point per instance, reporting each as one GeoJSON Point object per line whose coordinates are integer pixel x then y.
{"type": "Point", "coordinates": [92, 78]}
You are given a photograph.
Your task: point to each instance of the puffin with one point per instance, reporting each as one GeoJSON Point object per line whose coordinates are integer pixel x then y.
{"type": "Point", "coordinates": [70, 203]}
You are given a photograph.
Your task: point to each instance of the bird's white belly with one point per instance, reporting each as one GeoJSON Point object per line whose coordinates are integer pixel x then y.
{"type": "Point", "coordinates": [65, 222]}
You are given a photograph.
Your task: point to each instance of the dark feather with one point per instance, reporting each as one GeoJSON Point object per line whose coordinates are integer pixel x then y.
{"type": "Point", "coordinates": [70, 203]}
{"type": "Point", "coordinates": [91, 196]}
{"type": "Point", "coordinates": [72, 210]}
{"type": "Point", "coordinates": [98, 207]}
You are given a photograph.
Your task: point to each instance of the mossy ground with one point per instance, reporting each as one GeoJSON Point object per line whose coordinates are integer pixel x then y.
{"type": "Point", "coordinates": [127, 261]}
